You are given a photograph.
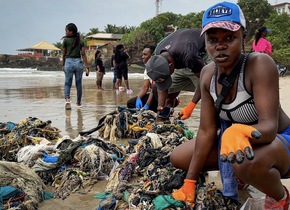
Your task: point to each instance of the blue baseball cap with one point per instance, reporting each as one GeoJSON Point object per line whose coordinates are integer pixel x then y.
{"type": "Point", "coordinates": [267, 30]}
{"type": "Point", "coordinates": [225, 15]}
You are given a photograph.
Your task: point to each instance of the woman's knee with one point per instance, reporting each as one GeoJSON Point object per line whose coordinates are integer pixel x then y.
{"type": "Point", "coordinates": [249, 169]}
{"type": "Point", "coordinates": [181, 155]}
{"type": "Point", "coordinates": [174, 158]}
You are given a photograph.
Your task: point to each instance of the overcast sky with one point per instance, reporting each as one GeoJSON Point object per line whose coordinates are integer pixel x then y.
{"type": "Point", "coordinates": [24, 23]}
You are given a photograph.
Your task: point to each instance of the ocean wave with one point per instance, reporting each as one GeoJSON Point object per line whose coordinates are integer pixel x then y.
{"type": "Point", "coordinates": [33, 72]}
{"type": "Point", "coordinates": [18, 69]}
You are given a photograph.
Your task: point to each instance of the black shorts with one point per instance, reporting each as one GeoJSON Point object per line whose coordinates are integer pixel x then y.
{"type": "Point", "coordinates": [122, 71]}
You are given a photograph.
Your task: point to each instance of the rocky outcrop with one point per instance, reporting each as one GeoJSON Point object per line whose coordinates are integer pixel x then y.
{"type": "Point", "coordinates": [45, 63]}
{"type": "Point", "coordinates": [40, 63]}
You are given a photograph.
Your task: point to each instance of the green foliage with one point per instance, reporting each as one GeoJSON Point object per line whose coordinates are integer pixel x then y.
{"type": "Point", "coordinates": [118, 29]}
{"type": "Point", "coordinates": [136, 40]}
{"type": "Point", "coordinates": [153, 30]}
{"type": "Point", "coordinates": [282, 56]}
{"type": "Point", "coordinates": [93, 31]}
{"type": "Point", "coordinates": [58, 45]}
{"type": "Point", "coordinates": [279, 36]}
{"type": "Point", "coordinates": [157, 26]}
{"type": "Point", "coordinates": [256, 12]}
{"type": "Point", "coordinates": [191, 20]}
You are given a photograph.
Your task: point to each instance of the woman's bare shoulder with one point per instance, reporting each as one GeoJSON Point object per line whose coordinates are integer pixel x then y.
{"type": "Point", "coordinates": [259, 63]}
{"type": "Point", "coordinates": [208, 70]}
{"type": "Point", "coordinates": [261, 59]}
{"type": "Point", "coordinates": [206, 74]}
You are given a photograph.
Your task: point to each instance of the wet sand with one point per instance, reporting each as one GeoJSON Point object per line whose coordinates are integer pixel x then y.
{"type": "Point", "coordinates": [40, 94]}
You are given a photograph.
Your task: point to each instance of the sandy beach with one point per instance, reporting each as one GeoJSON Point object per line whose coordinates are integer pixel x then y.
{"type": "Point", "coordinates": [31, 93]}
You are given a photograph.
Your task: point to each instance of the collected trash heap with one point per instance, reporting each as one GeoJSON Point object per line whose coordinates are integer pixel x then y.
{"type": "Point", "coordinates": [139, 174]}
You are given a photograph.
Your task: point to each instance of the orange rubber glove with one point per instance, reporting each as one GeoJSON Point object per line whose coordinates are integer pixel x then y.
{"type": "Point", "coordinates": [235, 143]}
{"type": "Point", "coordinates": [186, 192]}
{"type": "Point", "coordinates": [187, 111]}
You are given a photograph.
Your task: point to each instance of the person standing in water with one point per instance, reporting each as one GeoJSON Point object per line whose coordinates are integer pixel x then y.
{"type": "Point", "coordinates": [74, 61]}
{"type": "Point", "coordinates": [113, 70]}
{"type": "Point", "coordinates": [121, 66]}
{"type": "Point", "coordinates": [100, 69]}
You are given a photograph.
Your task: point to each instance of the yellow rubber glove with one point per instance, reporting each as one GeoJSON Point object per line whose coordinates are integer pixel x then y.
{"type": "Point", "coordinates": [235, 143]}
{"type": "Point", "coordinates": [186, 192]}
{"type": "Point", "coordinates": [187, 111]}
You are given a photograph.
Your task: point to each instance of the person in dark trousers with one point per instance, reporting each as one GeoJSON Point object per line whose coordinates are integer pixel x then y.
{"type": "Point", "coordinates": [74, 62]}
{"type": "Point", "coordinates": [100, 69]}
{"type": "Point", "coordinates": [113, 70]}
{"type": "Point", "coordinates": [183, 55]}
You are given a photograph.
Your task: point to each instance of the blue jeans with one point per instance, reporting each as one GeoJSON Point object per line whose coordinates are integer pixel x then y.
{"type": "Point", "coordinates": [115, 75]}
{"type": "Point", "coordinates": [73, 67]}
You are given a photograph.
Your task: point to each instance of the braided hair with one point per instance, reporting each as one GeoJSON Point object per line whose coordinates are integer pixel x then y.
{"type": "Point", "coordinates": [259, 33]}
{"type": "Point", "coordinates": [75, 34]}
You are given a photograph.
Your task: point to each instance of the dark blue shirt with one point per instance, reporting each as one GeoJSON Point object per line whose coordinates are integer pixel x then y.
{"type": "Point", "coordinates": [186, 46]}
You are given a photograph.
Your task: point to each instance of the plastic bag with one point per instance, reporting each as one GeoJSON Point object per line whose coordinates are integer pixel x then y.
{"type": "Point", "coordinates": [259, 204]}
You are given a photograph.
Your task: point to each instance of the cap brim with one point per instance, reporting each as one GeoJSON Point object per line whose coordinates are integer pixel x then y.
{"type": "Point", "coordinates": [164, 85]}
{"type": "Point", "coordinates": [227, 25]}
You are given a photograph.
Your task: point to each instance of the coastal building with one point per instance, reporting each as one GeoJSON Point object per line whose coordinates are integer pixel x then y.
{"type": "Point", "coordinates": [40, 49]}
{"type": "Point", "coordinates": [98, 40]}
{"type": "Point", "coordinates": [104, 42]}
{"type": "Point", "coordinates": [282, 8]}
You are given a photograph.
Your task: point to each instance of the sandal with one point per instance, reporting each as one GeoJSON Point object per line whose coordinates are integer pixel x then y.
{"type": "Point", "coordinates": [272, 204]}
{"type": "Point", "coordinates": [67, 106]}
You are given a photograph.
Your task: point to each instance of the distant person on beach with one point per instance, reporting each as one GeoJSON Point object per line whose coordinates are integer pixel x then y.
{"type": "Point", "coordinates": [261, 44]}
{"type": "Point", "coordinates": [113, 69]}
{"type": "Point", "coordinates": [74, 61]}
{"type": "Point", "coordinates": [100, 69]}
{"type": "Point", "coordinates": [121, 66]}
{"type": "Point", "coordinates": [140, 100]}
{"type": "Point", "coordinates": [244, 132]}
{"type": "Point", "coordinates": [183, 55]}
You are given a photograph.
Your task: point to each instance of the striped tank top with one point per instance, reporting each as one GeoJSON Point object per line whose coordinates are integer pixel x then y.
{"type": "Point", "coordinates": [242, 108]}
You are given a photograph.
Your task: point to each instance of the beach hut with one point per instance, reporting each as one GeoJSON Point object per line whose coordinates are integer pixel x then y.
{"type": "Point", "coordinates": [40, 49]}
{"type": "Point", "coordinates": [98, 40]}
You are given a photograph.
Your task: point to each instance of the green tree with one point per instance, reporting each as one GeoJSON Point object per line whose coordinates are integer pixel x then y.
{"type": "Point", "coordinates": [256, 12]}
{"type": "Point", "coordinates": [191, 20]}
{"type": "Point", "coordinates": [157, 26]}
{"type": "Point", "coordinates": [279, 36]}
{"type": "Point", "coordinates": [135, 41]}
{"type": "Point", "coordinates": [118, 29]}
{"type": "Point", "coordinates": [93, 31]}
{"type": "Point", "coordinates": [58, 45]}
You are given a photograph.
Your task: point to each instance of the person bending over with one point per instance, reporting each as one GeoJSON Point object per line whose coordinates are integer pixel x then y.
{"type": "Point", "coordinates": [181, 54]}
